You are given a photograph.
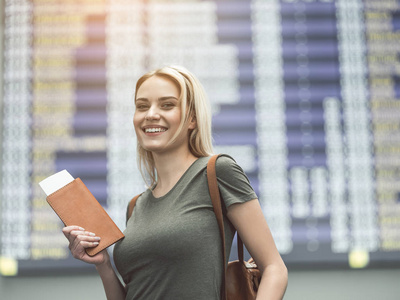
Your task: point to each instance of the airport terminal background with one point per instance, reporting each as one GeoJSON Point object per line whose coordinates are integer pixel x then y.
{"type": "Point", "coordinates": [304, 93]}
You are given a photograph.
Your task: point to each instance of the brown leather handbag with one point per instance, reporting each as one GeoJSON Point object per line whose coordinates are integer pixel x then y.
{"type": "Point", "coordinates": [241, 278]}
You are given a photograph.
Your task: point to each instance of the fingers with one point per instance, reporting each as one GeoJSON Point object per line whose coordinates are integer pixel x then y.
{"type": "Point", "coordinates": [84, 240]}
{"type": "Point", "coordinates": [67, 230]}
{"type": "Point", "coordinates": [80, 239]}
{"type": "Point", "coordinates": [72, 232]}
{"type": "Point", "coordinates": [87, 244]}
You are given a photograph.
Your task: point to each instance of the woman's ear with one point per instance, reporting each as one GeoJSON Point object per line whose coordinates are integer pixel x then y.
{"type": "Point", "coordinates": [193, 123]}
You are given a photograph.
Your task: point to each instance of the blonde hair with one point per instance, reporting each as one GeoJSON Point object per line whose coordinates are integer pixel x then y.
{"type": "Point", "coordinates": [196, 106]}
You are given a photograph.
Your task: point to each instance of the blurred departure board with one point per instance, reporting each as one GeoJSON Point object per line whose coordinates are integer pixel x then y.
{"type": "Point", "coordinates": [305, 96]}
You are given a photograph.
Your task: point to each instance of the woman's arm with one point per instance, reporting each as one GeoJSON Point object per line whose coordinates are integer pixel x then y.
{"type": "Point", "coordinates": [79, 240]}
{"type": "Point", "coordinates": [253, 229]}
{"type": "Point", "coordinates": [111, 283]}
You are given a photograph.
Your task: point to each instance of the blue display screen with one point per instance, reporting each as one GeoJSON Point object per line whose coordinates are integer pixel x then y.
{"type": "Point", "coordinates": [304, 95]}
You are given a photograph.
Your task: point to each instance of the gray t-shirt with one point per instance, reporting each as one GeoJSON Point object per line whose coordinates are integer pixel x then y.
{"type": "Point", "coordinates": [172, 247]}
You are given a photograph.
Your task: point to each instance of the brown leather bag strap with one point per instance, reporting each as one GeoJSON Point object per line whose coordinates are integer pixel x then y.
{"type": "Point", "coordinates": [216, 201]}
{"type": "Point", "coordinates": [131, 206]}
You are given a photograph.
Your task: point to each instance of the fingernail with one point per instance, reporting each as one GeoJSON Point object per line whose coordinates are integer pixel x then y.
{"type": "Point", "coordinates": [97, 238]}
{"type": "Point", "coordinates": [95, 243]}
{"type": "Point", "coordinates": [80, 228]}
{"type": "Point", "coordinates": [92, 234]}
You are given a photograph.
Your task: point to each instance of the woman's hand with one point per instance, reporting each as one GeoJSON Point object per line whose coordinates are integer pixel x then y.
{"type": "Point", "coordinates": [79, 240]}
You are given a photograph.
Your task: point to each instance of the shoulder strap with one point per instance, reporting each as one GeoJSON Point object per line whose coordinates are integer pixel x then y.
{"type": "Point", "coordinates": [131, 206]}
{"type": "Point", "coordinates": [216, 201]}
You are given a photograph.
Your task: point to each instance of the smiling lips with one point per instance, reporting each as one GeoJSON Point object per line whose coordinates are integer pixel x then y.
{"type": "Point", "coordinates": [154, 129]}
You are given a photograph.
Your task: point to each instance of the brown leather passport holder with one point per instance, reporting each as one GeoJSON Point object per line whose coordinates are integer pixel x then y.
{"type": "Point", "coordinates": [76, 205]}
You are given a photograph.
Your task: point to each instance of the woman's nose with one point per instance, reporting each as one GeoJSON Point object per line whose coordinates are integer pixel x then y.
{"type": "Point", "coordinates": [152, 114]}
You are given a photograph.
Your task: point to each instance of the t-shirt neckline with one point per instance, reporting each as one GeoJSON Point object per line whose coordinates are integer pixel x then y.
{"type": "Point", "coordinates": [152, 197]}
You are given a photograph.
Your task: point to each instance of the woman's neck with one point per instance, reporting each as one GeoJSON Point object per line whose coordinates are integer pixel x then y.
{"type": "Point", "coordinates": [170, 168]}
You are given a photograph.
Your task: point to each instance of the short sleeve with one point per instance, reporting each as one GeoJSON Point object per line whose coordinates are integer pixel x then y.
{"type": "Point", "coordinates": [233, 183]}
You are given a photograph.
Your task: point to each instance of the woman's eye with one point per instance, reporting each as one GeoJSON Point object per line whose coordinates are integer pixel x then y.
{"type": "Point", "coordinates": [141, 106]}
{"type": "Point", "coordinates": [167, 105]}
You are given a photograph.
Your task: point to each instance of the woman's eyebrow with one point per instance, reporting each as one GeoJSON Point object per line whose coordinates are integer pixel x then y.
{"type": "Point", "coordinates": [167, 98]}
{"type": "Point", "coordinates": [159, 99]}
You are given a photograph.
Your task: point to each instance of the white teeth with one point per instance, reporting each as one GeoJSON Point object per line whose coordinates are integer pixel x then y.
{"type": "Point", "coordinates": [155, 129]}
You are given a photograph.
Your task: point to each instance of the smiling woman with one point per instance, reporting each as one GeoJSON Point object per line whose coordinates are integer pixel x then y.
{"type": "Point", "coordinates": [157, 118]}
{"type": "Point", "coordinates": [172, 247]}
{"type": "Point", "coordinates": [178, 91]}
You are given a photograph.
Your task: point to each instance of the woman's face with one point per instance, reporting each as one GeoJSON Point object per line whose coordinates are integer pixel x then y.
{"type": "Point", "coordinates": [158, 115]}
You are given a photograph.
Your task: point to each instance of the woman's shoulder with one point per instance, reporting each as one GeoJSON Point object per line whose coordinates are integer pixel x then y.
{"type": "Point", "coordinates": [225, 160]}
{"type": "Point", "coordinates": [226, 167]}
{"type": "Point", "coordinates": [225, 163]}
{"type": "Point", "coordinates": [233, 183]}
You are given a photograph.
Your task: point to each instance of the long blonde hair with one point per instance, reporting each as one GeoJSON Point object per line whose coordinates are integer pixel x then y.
{"type": "Point", "coordinates": [196, 106]}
